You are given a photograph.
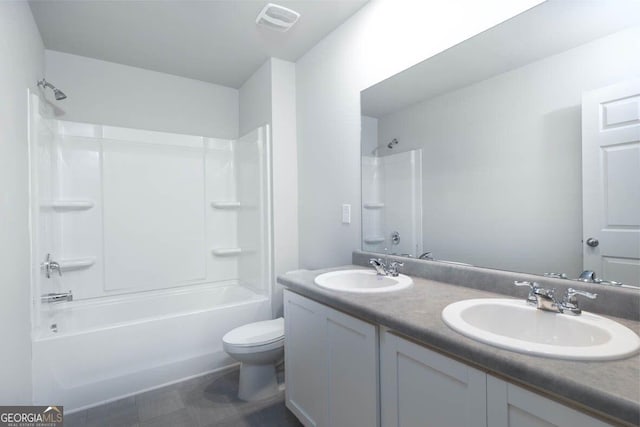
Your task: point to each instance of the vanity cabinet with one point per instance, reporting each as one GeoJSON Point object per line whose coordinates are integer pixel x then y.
{"type": "Point", "coordinates": [511, 406]}
{"type": "Point", "coordinates": [331, 365]}
{"type": "Point", "coordinates": [341, 372]}
{"type": "Point", "coordinates": [420, 387]}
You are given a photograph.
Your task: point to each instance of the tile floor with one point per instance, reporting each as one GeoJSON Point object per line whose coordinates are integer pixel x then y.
{"type": "Point", "coordinates": [206, 401]}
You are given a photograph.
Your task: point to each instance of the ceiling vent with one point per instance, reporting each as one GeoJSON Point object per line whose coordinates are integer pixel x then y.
{"type": "Point", "coordinates": [277, 17]}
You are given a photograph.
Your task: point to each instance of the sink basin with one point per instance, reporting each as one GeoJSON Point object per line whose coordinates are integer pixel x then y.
{"type": "Point", "coordinates": [518, 326]}
{"type": "Point", "coordinates": [362, 281]}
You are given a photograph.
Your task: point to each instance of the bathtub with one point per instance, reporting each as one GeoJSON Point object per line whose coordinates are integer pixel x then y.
{"type": "Point", "coordinates": [88, 353]}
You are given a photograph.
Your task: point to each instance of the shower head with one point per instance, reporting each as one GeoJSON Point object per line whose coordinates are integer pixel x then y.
{"type": "Point", "coordinates": [59, 95]}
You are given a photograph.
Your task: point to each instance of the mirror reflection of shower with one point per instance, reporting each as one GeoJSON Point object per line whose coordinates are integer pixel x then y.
{"type": "Point", "coordinates": [59, 95]}
{"type": "Point", "coordinates": [391, 194]}
{"type": "Point", "coordinates": [390, 146]}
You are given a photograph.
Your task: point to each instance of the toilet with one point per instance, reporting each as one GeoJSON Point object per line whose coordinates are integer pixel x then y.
{"type": "Point", "coordinates": [258, 346]}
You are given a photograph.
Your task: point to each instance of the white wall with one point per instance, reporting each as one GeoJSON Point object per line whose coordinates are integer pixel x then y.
{"type": "Point", "coordinates": [383, 38]}
{"type": "Point", "coordinates": [269, 96]}
{"type": "Point", "coordinates": [112, 94]}
{"type": "Point", "coordinates": [502, 159]}
{"type": "Point", "coordinates": [255, 100]}
{"type": "Point", "coordinates": [284, 172]}
{"type": "Point", "coordinates": [22, 53]}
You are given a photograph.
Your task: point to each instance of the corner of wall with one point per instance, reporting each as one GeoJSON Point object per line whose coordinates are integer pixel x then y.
{"type": "Point", "coordinates": [23, 53]}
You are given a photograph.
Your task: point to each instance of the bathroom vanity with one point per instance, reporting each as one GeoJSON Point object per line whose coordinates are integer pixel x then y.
{"type": "Point", "coordinates": [388, 359]}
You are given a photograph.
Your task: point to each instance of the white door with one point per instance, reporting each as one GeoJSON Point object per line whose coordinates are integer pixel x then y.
{"type": "Point", "coordinates": [611, 182]}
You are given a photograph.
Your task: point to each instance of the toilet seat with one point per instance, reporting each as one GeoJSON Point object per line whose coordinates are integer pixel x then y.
{"type": "Point", "coordinates": [258, 336]}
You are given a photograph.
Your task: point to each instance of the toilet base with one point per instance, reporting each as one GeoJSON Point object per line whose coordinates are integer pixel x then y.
{"type": "Point", "coordinates": [257, 382]}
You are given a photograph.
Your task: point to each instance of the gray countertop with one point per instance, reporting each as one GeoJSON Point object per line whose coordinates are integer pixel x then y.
{"type": "Point", "coordinates": [610, 389]}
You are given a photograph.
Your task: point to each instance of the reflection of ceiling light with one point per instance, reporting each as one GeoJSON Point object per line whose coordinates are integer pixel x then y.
{"type": "Point", "coordinates": [277, 17]}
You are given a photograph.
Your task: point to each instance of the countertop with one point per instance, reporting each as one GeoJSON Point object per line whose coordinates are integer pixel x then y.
{"type": "Point", "coordinates": [610, 389]}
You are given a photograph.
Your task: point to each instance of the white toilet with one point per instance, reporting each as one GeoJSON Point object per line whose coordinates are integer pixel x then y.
{"type": "Point", "coordinates": [258, 346]}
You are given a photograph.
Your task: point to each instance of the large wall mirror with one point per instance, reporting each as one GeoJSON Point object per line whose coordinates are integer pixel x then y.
{"type": "Point", "coordinates": [518, 149]}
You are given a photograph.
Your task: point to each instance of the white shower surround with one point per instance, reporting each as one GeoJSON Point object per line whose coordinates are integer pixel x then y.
{"type": "Point", "coordinates": [163, 322]}
{"type": "Point", "coordinates": [392, 201]}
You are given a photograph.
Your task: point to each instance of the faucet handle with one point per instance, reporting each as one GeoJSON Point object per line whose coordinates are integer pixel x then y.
{"type": "Point", "coordinates": [533, 288]}
{"type": "Point", "coordinates": [532, 285]}
{"type": "Point", "coordinates": [570, 302]}
{"type": "Point", "coordinates": [571, 293]}
{"type": "Point", "coordinates": [556, 275]}
{"type": "Point", "coordinates": [393, 268]}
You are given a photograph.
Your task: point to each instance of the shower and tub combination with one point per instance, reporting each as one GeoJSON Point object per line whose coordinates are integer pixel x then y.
{"type": "Point", "coordinates": [147, 247]}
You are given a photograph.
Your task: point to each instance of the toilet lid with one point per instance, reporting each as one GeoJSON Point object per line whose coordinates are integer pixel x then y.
{"type": "Point", "coordinates": [257, 333]}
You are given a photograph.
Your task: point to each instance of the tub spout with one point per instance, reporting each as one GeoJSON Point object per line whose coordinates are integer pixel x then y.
{"type": "Point", "coordinates": [56, 297]}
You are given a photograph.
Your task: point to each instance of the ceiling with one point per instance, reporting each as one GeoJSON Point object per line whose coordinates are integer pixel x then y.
{"type": "Point", "coordinates": [213, 41]}
{"type": "Point", "coordinates": [547, 29]}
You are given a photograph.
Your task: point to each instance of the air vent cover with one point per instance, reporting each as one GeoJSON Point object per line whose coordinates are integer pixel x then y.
{"type": "Point", "coordinates": [277, 17]}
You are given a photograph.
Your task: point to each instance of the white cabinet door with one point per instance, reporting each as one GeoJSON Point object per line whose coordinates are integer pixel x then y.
{"type": "Point", "coordinates": [422, 388]}
{"type": "Point", "coordinates": [331, 365]}
{"type": "Point", "coordinates": [305, 359]}
{"type": "Point", "coordinates": [352, 352]}
{"type": "Point", "coordinates": [511, 406]}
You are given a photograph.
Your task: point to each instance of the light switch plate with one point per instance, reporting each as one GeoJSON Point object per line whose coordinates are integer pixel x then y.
{"type": "Point", "coordinates": [346, 214]}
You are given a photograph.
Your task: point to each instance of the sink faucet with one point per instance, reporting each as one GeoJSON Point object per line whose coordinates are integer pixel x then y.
{"type": "Point", "coordinates": [383, 270]}
{"type": "Point", "coordinates": [570, 303]}
{"type": "Point", "coordinates": [378, 264]}
{"type": "Point", "coordinates": [588, 276]}
{"type": "Point", "coordinates": [544, 299]}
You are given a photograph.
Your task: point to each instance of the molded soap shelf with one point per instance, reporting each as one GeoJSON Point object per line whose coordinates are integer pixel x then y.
{"type": "Point", "coordinates": [226, 251]}
{"type": "Point", "coordinates": [225, 204]}
{"type": "Point", "coordinates": [373, 205]}
{"type": "Point", "coordinates": [68, 205]}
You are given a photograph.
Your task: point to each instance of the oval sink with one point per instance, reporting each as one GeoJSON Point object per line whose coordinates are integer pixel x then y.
{"type": "Point", "coordinates": [518, 326]}
{"type": "Point", "coordinates": [362, 281]}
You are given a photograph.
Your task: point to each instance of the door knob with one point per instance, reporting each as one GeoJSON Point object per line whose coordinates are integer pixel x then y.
{"type": "Point", "coordinates": [592, 242]}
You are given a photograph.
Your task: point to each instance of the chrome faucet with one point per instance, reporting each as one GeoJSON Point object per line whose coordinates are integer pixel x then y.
{"type": "Point", "coordinates": [544, 299]}
{"type": "Point", "coordinates": [393, 268]}
{"type": "Point", "coordinates": [556, 275]}
{"type": "Point", "coordinates": [49, 266]}
{"type": "Point", "coordinates": [56, 297]}
{"type": "Point", "coordinates": [378, 264]}
{"type": "Point", "coordinates": [426, 255]}
{"type": "Point", "coordinates": [383, 270]}
{"type": "Point", "coordinates": [588, 276]}
{"type": "Point", "coordinates": [533, 287]}
{"type": "Point", "coordinates": [569, 303]}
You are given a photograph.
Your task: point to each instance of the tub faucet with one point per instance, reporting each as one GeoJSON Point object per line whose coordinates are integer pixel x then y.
{"type": "Point", "coordinates": [56, 297]}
